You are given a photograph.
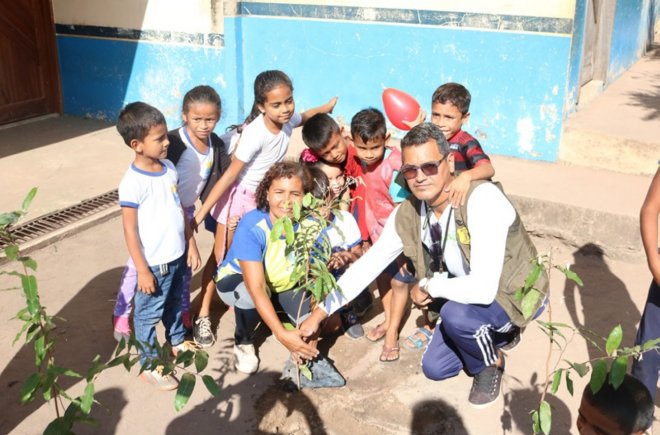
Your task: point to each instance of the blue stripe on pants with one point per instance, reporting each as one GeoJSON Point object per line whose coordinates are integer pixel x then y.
{"type": "Point", "coordinates": [467, 337]}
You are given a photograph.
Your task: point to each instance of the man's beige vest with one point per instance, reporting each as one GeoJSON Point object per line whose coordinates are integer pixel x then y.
{"type": "Point", "coordinates": [519, 255]}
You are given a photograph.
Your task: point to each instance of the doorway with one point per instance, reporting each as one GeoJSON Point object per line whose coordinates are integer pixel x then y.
{"type": "Point", "coordinates": [29, 74]}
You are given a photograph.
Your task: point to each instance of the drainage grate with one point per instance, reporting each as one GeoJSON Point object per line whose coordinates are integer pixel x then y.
{"type": "Point", "coordinates": [52, 221]}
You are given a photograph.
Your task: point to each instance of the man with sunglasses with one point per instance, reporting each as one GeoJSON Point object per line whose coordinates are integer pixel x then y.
{"type": "Point", "coordinates": [471, 259]}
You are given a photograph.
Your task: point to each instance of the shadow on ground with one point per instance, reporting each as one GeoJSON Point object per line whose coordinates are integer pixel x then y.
{"type": "Point", "coordinates": [77, 322]}
{"type": "Point", "coordinates": [605, 300]}
{"type": "Point", "coordinates": [52, 130]}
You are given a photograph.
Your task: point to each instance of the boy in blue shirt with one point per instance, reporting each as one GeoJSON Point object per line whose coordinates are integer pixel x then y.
{"type": "Point", "coordinates": [156, 232]}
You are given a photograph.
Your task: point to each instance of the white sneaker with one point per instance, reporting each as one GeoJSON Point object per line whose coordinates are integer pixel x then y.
{"type": "Point", "coordinates": [184, 346]}
{"type": "Point", "coordinates": [246, 358]}
{"type": "Point", "coordinates": [156, 378]}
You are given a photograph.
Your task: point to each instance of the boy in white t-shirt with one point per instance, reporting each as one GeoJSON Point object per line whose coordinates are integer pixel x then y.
{"type": "Point", "coordinates": [155, 230]}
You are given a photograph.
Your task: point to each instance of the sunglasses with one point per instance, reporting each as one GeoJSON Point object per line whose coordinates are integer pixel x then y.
{"type": "Point", "coordinates": [429, 168]}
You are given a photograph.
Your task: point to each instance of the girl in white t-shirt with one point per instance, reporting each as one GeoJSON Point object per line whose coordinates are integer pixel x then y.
{"type": "Point", "coordinates": [263, 141]}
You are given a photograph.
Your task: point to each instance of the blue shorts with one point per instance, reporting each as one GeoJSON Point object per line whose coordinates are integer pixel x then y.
{"type": "Point", "coordinates": [210, 223]}
{"type": "Point", "coordinates": [400, 269]}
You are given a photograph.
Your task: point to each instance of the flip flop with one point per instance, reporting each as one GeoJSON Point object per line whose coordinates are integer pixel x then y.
{"type": "Point", "coordinates": [418, 339]}
{"type": "Point", "coordinates": [376, 334]}
{"type": "Point", "coordinates": [389, 353]}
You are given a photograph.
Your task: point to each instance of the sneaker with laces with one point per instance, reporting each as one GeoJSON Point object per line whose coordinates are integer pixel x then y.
{"type": "Point", "coordinates": [156, 378]}
{"type": "Point", "coordinates": [246, 358]}
{"type": "Point", "coordinates": [202, 332]}
{"type": "Point", "coordinates": [486, 386]}
{"type": "Point", "coordinates": [122, 329]}
{"type": "Point", "coordinates": [184, 346]}
{"type": "Point", "coordinates": [350, 324]}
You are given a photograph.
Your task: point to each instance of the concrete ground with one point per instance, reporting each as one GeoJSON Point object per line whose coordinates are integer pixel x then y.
{"type": "Point", "coordinates": [572, 210]}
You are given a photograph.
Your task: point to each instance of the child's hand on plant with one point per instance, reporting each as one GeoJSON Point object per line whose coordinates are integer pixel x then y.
{"type": "Point", "coordinates": [312, 324]}
{"type": "Point", "coordinates": [340, 259]}
{"type": "Point", "coordinates": [458, 189]}
{"type": "Point", "coordinates": [146, 282]}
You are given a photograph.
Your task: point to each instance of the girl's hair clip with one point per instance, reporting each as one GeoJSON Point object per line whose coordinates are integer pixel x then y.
{"type": "Point", "coordinates": [309, 156]}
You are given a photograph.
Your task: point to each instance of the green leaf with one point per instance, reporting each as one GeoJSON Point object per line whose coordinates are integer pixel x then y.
{"type": "Point", "coordinates": [118, 360]}
{"type": "Point", "coordinates": [28, 198]}
{"type": "Point", "coordinates": [186, 358]}
{"type": "Point", "coordinates": [96, 368]}
{"type": "Point", "coordinates": [556, 381]}
{"type": "Point", "coordinates": [211, 385]}
{"type": "Point", "coordinates": [201, 360]}
{"type": "Point", "coordinates": [614, 340]}
{"type": "Point", "coordinates": [573, 276]}
{"type": "Point", "coordinates": [29, 387]}
{"type": "Point", "coordinates": [518, 295]}
{"type": "Point", "coordinates": [39, 350]}
{"type": "Point", "coordinates": [186, 387]}
{"type": "Point", "coordinates": [87, 399]}
{"type": "Point", "coordinates": [7, 219]}
{"type": "Point", "coordinates": [581, 368]}
{"type": "Point", "coordinates": [569, 382]}
{"type": "Point", "coordinates": [121, 346]}
{"type": "Point", "coordinates": [307, 200]}
{"type": "Point", "coordinates": [59, 426]}
{"type": "Point", "coordinates": [536, 426]}
{"type": "Point", "coordinates": [296, 211]}
{"type": "Point", "coordinates": [20, 333]}
{"type": "Point", "coordinates": [305, 371]}
{"type": "Point", "coordinates": [29, 284]}
{"type": "Point", "coordinates": [650, 344]}
{"type": "Point", "coordinates": [533, 275]}
{"type": "Point", "coordinates": [11, 252]}
{"type": "Point", "coordinates": [28, 262]}
{"type": "Point", "coordinates": [545, 417]}
{"type": "Point", "coordinates": [618, 371]}
{"type": "Point", "coordinates": [598, 376]}
{"type": "Point", "coordinates": [276, 231]}
{"type": "Point", "coordinates": [530, 302]}
{"type": "Point", "coordinates": [288, 231]}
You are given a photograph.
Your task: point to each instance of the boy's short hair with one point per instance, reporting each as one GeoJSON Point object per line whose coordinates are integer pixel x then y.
{"type": "Point", "coordinates": [630, 405]}
{"type": "Point", "coordinates": [136, 119]}
{"type": "Point", "coordinates": [368, 124]}
{"type": "Point", "coordinates": [453, 93]}
{"type": "Point", "coordinates": [318, 130]}
{"type": "Point", "coordinates": [424, 132]}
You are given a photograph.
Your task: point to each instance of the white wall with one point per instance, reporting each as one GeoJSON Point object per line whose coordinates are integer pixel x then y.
{"type": "Point", "coordinates": [194, 16]}
{"type": "Point", "coordinates": [535, 8]}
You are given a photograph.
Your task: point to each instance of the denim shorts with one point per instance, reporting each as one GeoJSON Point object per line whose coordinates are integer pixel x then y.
{"type": "Point", "coordinates": [400, 270]}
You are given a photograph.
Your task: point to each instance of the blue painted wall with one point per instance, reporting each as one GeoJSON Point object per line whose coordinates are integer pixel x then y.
{"type": "Point", "coordinates": [630, 35]}
{"type": "Point", "coordinates": [517, 80]}
{"type": "Point", "coordinates": [577, 45]}
{"type": "Point", "coordinates": [100, 76]}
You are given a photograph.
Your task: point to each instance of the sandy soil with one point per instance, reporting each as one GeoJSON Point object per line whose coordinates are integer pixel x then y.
{"type": "Point", "coordinates": [78, 277]}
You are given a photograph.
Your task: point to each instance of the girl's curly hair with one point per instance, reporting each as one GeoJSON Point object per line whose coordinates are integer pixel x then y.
{"type": "Point", "coordinates": [285, 169]}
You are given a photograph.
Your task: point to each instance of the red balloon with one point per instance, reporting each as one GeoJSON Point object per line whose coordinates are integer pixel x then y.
{"type": "Point", "coordinates": [400, 107]}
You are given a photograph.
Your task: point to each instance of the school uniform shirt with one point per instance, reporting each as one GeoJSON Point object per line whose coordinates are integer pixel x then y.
{"type": "Point", "coordinates": [194, 169]}
{"type": "Point", "coordinates": [159, 213]}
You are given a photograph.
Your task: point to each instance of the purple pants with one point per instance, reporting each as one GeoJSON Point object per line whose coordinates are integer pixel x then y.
{"type": "Point", "coordinates": [128, 284]}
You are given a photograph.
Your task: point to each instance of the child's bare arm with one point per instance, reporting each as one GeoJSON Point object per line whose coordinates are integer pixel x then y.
{"type": "Point", "coordinates": [218, 190]}
{"type": "Point", "coordinates": [421, 117]}
{"type": "Point", "coordinates": [460, 185]}
{"type": "Point", "coordinates": [194, 261]}
{"type": "Point", "coordinates": [146, 279]}
{"type": "Point", "coordinates": [648, 222]}
{"type": "Point", "coordinates": [325, 108]}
